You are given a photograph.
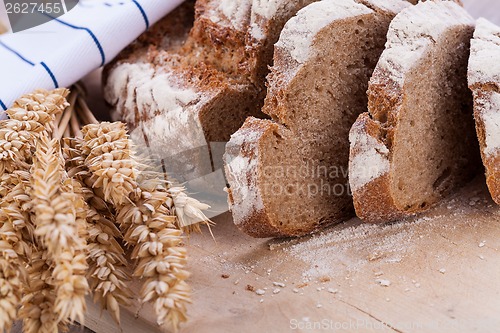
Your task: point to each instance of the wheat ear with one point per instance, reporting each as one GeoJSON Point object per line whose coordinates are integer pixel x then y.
{"type": "Point", "coordinates": [38, 302]}
{"type": "Point", "coordinates": [14, 249]}
{"type": "Point", "coordinates": [144, 217]}
{"type": "Point", "coordinates": [160, 253]}
{"type": "Point", "coordinates": [189, 211]}
{"type": "Point", "coordinates": [57, 228]}
{"type": "Point", "coordinates": [108, 267]}
{"type": "Point", "coordinates": [109, 157]}
{"type": "Point", "coordinates": [10, 285]}
{"type": "Point", "coordinates": [30, 116]}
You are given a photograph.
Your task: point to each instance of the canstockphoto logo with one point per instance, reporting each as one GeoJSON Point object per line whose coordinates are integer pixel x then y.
{"type": "Point", "coordinates": [26, 14]}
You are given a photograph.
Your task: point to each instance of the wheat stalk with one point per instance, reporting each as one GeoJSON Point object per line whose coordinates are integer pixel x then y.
{"type": "Point", "coordinates": [14, 234]}
{"type": "Point", "coordinates": [57, 228]}
{"type": "Point", "coordinates": [144, 216]}
{"type": "Point", "coordinates": [10, 285]}
{"type": "Point", "coordinates": [37, 310]}
{"type": "Point", "coordinates": [69, 219]}
{"type": "Point", "coordinates": [30, 117]}
{"type": "Point", "coordinates": [189, 211]}
{"type": "Point", "coordinates": [160, 253]}
{"type": "Point", "coordinates": [40, 107]}
{"type": "Point", "coordinates": [110, 159]}
{"type": "Point", "coordinates": [107, 273]}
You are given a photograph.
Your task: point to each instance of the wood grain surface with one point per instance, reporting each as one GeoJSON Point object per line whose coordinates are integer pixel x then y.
{"type": "Point", "coordinates": [437, 272]}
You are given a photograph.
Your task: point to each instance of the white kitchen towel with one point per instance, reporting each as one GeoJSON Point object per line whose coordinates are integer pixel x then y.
{"type": "Point", "coordinates": [64, 50]}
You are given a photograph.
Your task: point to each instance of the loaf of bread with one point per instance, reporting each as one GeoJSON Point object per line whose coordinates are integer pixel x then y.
{"type": "Point", "coordinates": [288, 176]}
{"type": "Point", "coordinates": [417, 143]}
{"type": "Point", "coordinates": [484, 81]}
{"type": "Point", "coordinates": [182, 97]}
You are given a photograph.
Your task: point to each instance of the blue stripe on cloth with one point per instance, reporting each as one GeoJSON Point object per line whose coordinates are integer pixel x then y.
{"type": "Point", "coordinates": [146, 20]}
{"type": "Point", "coordinates": [4, 107]}
{"type": "Point", "coordinates": [19, 55]}
{"type": "Point", "coordinates": [94, 38]}
{"type": "Point", "coordinates": [51, 74]}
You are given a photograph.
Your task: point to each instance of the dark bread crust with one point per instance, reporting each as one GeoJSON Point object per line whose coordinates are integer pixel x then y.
{"type": "Point", "coordinates": [482, 93]}
{"type": "Point", "coordinates": [374, 202]}
{"type": "Point", "coordinates": [484, 82]}
{"type": "Point", "coordinates": [216, 45]}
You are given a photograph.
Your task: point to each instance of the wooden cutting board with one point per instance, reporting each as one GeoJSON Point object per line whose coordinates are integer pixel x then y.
{"type": "Point", "coordinates": [439, 272]}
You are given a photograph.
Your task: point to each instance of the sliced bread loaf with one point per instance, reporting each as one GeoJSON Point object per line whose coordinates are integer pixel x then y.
{"type": "Point", "coordinates": [417, 142]}
{"type": "Point", "coordinates": [182, 99]}
{"type": "Point", "coordinates": [484, 81]}
{"type": "Point", "coordinates": [288, 176]}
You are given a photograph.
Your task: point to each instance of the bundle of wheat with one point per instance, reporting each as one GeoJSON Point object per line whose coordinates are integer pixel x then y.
{"type": "Point", "coordinates": [72, 200]}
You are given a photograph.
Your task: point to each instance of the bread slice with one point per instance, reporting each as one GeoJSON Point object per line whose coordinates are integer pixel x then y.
{"type": "Point", "coordinates": [417, 142]}
{"type": "Point", "coordinates": [185, 99]}
{"type": "Point", "coordinates": [288, 176]}
{"type": "Point", "coordinates": [484, 81]}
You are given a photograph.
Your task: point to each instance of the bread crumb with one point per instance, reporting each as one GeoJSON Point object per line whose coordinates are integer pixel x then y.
{"type": "Point", "coordinates": [482, 244]}
{"type": "Point", "coordinates": [325, 279]}
{"type": "Point", "coordinates": [260, 292]}
{"type": "Point", "coordinates": [225, 276]}
{"type": "Point", "coordinates": [383, 283]}
{"type": "Point", "coordinates": [276, 291]}
{"type": "Point", "coordinates": [261, 300]}
{"type": "Point", "coordinates": [442, 270]}
{"type": "Point", "coordinates": [249, 287]}
{"type": "Point", "coordinates": [279, 284]}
